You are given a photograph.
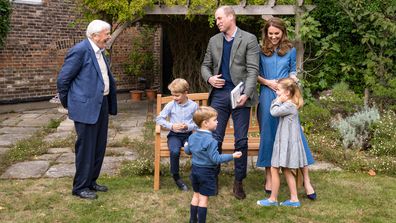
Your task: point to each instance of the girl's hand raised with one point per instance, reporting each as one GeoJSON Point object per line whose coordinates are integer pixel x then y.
{"type": "Point", "coordinates": [282, 98]}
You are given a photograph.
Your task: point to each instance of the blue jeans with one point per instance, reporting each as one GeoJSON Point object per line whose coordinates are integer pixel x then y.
{"type": "Point", "coordinates": [221, 101]}
{"type": "Point", "coordinates": [175, 142]}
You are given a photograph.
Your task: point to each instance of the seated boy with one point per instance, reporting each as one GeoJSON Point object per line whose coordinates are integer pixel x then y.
{"type": "Point", "coordinates": [180, 112]}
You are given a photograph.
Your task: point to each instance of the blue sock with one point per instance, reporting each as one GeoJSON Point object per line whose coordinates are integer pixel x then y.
{"type": "Point", "coordinates": [193, 213]}
{"type": "Point", "coordinates": [202, 214]}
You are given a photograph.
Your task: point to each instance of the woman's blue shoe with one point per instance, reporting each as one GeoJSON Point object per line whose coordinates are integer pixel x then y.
{"type": "Point", "coordinates": [289, 203]}
{"type": "Point", "coordinates": [312, 196]}
{"type": "Point", "coordinates": [267, 203]}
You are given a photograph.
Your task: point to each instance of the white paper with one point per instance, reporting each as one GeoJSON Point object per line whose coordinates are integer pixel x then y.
{"type": "Point", "coordinates": [236, 94]}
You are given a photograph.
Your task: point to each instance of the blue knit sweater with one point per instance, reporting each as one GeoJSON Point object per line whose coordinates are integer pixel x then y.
{"type": "Point", "coordinates": [203, 148]}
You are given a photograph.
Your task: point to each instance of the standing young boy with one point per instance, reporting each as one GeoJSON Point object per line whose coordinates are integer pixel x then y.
{"type": "Point", "coordinates": [205, 158]}
{"type": "Point", "coordinates": [180, 112]}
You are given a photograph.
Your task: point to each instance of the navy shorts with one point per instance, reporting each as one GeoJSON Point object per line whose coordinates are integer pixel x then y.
{"type": "Point", "coordinates": [203, 180]}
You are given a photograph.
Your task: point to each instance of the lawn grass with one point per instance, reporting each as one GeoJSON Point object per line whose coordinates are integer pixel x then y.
{"type": "Point", "coordinates": [342, 197]}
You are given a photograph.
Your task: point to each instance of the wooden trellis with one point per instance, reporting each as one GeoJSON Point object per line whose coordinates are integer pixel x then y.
{"type": "Point", "coordinates": [266, 11]}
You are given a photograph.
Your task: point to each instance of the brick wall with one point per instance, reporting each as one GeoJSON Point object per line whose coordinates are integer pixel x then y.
{"type": "Point", "coordinates": [119, 55]}
{"type": "Point", "coordinates": [34, 51]}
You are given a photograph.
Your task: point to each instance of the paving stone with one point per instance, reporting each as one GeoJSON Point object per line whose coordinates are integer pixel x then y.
{"type": "Point", "coordinates": [131, 134]}
{"type": "Point", "coordinates": [47, 157]}
{"type": "Point", "coordinates": [29, 169]}
{"type": "Point", "coordinates": [18, 130]}
{"type": "Point", "coordinates": [130, 157]}
{"type": "Point", "coordinates": [32, 123]}
{"type": "Point", "coordinates": [125, 151]}
{"type": "Point", "coordinates": [61, 170]}
{"type": "Point", "coordinates": [10, 139]}
{"type": "Point", "coordinates": [60, 150]}
{"type": "Point", "coordinates": [56, 136]}
{"type": "Point", "coordinates": [31, 115]}
{"type": "Point", "coordinates": [319, 165]}
{"type": "Point", "coordinates": [110, 165]}
{"type": "Point", "coordinates": [66, 158]}
{"type": "Point", "coordinates": [66, 125]}
{"type": "Point", "coordinates": [12, 121]}
{"type": "Point", "coordinates": [3, 150]}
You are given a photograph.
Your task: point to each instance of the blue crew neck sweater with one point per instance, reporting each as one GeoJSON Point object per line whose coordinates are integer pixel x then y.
{"type": "Point", "coordinates": [225, 64]}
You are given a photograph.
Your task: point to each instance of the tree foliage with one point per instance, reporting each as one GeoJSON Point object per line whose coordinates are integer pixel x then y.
{"type": "Point", "coordinates": [5, 13]}
{"type": "Point", "coordinates": [356, 45]}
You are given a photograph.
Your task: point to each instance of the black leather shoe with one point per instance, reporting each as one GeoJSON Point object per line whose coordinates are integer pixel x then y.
{"type": "Point", "coordinates": [86, 194]}
{"type": "Point", "coordinates": [181, 185]}
{"type": "Point", "coordinates": [100, 188]}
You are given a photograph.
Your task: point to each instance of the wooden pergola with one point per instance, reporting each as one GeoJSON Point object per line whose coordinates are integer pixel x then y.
{"type": "Point", "coordinates": [265, 11]}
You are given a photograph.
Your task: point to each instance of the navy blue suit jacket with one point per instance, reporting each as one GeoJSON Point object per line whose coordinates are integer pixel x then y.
{"type": "Point", "coordinates": [80, 85]}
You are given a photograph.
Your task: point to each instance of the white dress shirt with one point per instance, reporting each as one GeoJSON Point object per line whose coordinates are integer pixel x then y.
{"type": "Point", "coordinates": [102, 66]}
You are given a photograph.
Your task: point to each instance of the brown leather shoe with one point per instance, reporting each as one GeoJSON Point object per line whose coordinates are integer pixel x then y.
{"type": "Point", "coordinates": [238, 191]}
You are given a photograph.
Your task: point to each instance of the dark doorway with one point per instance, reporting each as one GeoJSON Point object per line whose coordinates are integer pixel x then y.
{"type": "Point", "coordinates": [167, 63]}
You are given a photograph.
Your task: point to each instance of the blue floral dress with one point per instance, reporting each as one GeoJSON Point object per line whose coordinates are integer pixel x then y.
{"type": "Point", "coordinates": [273, 68]}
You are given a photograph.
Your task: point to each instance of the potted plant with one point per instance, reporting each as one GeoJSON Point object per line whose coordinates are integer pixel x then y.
{"type": "Point", "coordinates": [141, 60]}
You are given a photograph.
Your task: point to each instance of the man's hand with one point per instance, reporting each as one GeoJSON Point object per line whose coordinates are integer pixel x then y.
{"type": "Point", "coordinates": [242, 100]}
{"type": "Point", "coordinates": [216, 81]}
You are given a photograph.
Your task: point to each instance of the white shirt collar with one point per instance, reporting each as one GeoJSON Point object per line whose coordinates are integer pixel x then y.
{"type": "Point", "coordinates": [233, 35]}
{"type": "Point", "coordinates": [96, 49]}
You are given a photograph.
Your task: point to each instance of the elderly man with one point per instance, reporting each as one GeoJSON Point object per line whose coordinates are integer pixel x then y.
{"type": "Point", "coordinates": [87, 89]}
{"type": "Point", "coordinates": [232, 56]}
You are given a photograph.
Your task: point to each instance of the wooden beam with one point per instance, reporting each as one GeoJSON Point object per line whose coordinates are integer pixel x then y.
{"type": "Point", "coordinates": [239, 10]}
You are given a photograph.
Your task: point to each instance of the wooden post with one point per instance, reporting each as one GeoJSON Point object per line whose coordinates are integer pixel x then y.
{"type": "Point", "coordinates": [298, 42]}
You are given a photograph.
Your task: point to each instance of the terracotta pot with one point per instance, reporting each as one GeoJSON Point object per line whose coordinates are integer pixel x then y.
{"type": "Point", "coordinates": [136, 95]}
{"type": "Point", "coordinates": [151, 94]}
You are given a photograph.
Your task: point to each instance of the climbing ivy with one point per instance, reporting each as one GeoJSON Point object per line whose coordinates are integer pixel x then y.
{"type": "Point", "coordinates": [5, 13]}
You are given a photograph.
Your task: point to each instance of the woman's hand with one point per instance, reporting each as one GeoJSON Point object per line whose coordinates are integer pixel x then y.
{"type": "Point", "coordinates": [295, 78]}
{"type": "Point", "coordinates": [273, 84]}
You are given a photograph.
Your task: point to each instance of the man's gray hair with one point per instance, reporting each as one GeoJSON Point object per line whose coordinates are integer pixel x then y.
{"type": "Point", "coordinates": [97, 26]}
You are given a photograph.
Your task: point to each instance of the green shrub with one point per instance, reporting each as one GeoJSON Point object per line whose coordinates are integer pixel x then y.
{"type": "Point", "coordinates": [383, 142]}
{"type": "Point", "coordinates": [355, 130]}
{"type": "Point", "coordinates": [139, 167]}
{"type": "Point", "coordinates": [358, 161]}
{"type": "Point", "coordinates": [341, 100]}
{"type": "Point", "coordinates": [54, 123]}
{"type": "Point", "coordinates": [313, 113]}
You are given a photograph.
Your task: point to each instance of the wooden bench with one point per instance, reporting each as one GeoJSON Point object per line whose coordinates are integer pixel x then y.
{"type": "Point", "coordinates": [161, 147]}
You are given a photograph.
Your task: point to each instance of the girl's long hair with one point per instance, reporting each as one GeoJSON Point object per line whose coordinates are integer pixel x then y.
{"type": "Point", "coordinates": [295, 92]}
{"type": "Point", "coordinates": [284, 44]}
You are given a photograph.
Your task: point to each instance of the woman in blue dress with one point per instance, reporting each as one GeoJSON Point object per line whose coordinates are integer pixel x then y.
{"type": "Point", "coordinates": [277, 60]}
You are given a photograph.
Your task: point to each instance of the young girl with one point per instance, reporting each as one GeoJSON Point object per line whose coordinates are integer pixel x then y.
{"type": "Point", "coordinates": [288, 151]}
{"type": "Point", "coordinates": [205, 159]}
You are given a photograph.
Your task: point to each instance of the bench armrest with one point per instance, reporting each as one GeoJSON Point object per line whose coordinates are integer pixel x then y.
{"type": "Point", "coordinates": [157, 129]}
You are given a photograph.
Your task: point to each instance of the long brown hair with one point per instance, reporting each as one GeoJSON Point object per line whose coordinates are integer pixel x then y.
{"type": "Point", "coordinates": [284, 44]}
{"type": "Point", "coordinates": [295, 93]}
